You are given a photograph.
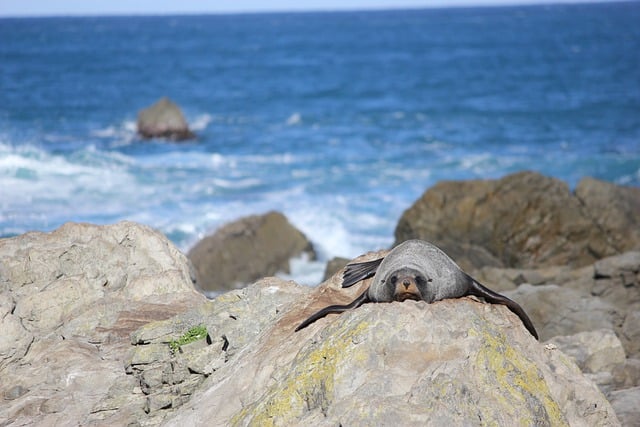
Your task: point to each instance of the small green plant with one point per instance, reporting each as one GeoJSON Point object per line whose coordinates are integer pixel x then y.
{"type": "Point", "coordinates": [194, 334]}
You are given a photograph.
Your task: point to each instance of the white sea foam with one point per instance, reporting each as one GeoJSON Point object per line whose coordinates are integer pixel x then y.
{"type": "Point", "coordinates": [201, 122]}
{"type": "Point", "coordinates": [294, 119]}
{"type": "Point", "coordinates": [124, 133]}
{"type": "Point", "coordinates": [304, 271]}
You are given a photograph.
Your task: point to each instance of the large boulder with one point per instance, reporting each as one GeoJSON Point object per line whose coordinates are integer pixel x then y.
{"type": "Point", "coordinates": [248, 249]}
{"type": "Point", "coordinates": [163, 120]}
{"type": "Point", "coordinates": [614, 209]}
{"type": "Point", "coordinates": [459, 362]}
{"type": "Point", "coordinates": [69, 301]}
{"type": "Point", "coordinates": [524, 220]}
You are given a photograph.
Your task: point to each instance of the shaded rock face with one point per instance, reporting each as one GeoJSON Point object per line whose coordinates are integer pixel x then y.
{"type": "Point", "coordinates": [163, 120]}
{"type": "Point", "coordinates": [615, 210]}
{"type": "Point", "coordinates": [525, 220]}
{"type": "Point", "coordinates": [246, 250]}
{"type": "Point", "coordinates": [69, 301]}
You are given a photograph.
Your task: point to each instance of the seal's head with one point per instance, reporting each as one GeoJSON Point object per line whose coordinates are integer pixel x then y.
{"type": "Point", "coordinates": [407, 283]}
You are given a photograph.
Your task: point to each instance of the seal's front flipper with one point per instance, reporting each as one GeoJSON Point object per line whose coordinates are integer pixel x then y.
{"type": "Point", "coordinates": [362, 299]}
{"type": "Point", "coordinates": [353, 273]}
{"type": "Point", "coordinates": [479, 290]}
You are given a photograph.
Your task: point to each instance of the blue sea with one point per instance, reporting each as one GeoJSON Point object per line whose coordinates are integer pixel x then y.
{"type": "Point", "coordinates": [339, 120]}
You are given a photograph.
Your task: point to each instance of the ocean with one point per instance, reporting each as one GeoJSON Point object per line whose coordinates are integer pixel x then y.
{"type": "Point", "coordinates": [339, 120]}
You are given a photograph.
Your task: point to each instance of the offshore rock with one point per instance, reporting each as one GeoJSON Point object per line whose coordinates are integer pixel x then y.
{"type": "Point", "coordinates": [526, 220]}
{"type": "Point", "coordinates": [246, 250]}
{"type": "Point", "coordinates": [163, 120]}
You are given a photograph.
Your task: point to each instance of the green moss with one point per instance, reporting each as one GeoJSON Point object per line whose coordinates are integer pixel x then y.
{"type": "Point", "coordinates": [194, 334]}
{"type": "Point", "coordinates": [308, 386]}
{"type": "Point", "coordinates": [517, 379]}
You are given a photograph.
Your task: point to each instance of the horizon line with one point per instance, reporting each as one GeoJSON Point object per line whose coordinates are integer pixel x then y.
{"type": "Point", "coordinates": [464, 5]}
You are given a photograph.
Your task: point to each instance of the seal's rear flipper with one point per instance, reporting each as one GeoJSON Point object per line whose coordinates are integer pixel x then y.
{"type": "Point", "coordinates": [478, 290]}
{"type": "Point", "coordinates": [353, 273]}
{"type": "Point", "coordinates": [362, 299]}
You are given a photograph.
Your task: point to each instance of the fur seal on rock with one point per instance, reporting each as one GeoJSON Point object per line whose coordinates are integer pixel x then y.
{"type": "Point", "coordinates": [415, 270]}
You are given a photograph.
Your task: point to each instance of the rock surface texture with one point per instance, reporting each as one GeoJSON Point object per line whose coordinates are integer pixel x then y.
{"type": "Point", "coordinates": [69, 301]}
{"type": "Point", "coordinates": [246, 250]}
{"type": "Point", "coordinates": [525, 220]}
{"type": "Point", "coordinates": [458, 362]}
{"type": "Point", "coordinates": [90, 316]}
{"type": "Point", "coordinates": [163, 120]}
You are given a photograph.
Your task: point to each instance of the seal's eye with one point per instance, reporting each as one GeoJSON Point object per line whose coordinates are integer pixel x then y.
{"type": "Point", "coordinates": [393, 279]}
{"type": "Point", "coordinates": [422, 280]}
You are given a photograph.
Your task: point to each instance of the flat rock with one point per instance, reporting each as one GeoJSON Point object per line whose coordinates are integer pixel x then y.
{"type": "Point", "coordinates": [556, 310]}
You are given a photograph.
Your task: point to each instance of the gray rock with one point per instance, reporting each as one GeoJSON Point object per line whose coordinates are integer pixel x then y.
{"type": "Point", "coordinates": [503, 279]}
{"type": "Point", "coordinates": [70, 299]}
{"type": "Point", "coordinates": [597, 352]}
{"type": "Point", "coordinates": [163, 120]}
{"type": "Point", "coordinates": [631, 332]}
{"type": "Point", "coordinates": [246, 250]}
{"type": "Point", "coordinates": [617, 279]}
{"type": "Point", "coordinates": [455, 361]}
{"type": "Point", "coordinates": [625, 403]}
{"type": "Point", "coordinates": [593, 351]}
{"type": "Point", "coordinates": [524, 220]}
{"type": "Point", "coordinates": [627, 375]}
{"type": "Point", "coordinates": [556, 310]}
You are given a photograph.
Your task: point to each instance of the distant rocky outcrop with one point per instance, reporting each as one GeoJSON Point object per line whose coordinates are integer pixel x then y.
{"type": "Point", "coordinates": [525, 220]}
{"type": "Point", "coordinates": [163, 120]}
{"type": "Point", "coordinates": [246, 250]}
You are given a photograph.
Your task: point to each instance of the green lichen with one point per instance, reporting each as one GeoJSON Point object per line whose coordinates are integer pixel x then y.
{"type": "Point", "coordinates": [194, 334]}
{"type": "Point", "coordinates": [308, 386]}
{"type": "Point", "coordinates": [517, 379]}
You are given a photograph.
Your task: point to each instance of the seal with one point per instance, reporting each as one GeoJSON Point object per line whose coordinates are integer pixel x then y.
{"type": "Point", "coordinates": [420, 271]}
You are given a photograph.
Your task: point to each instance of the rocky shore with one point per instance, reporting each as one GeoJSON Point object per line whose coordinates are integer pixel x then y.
{"type": "Point", "coordinates": [95, 321]}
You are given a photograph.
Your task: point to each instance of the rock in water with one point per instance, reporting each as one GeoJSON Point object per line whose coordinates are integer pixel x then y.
{"type": "Point", "coordinates": [164, 120]}
{"type": "Point", "coordinates": [246, 250]}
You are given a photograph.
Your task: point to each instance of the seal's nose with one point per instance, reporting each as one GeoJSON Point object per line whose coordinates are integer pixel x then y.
{"type": "Point", "coordinates": [406, 283]}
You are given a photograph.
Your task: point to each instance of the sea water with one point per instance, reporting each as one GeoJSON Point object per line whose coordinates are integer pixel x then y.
{"type": "Point", "coordinates": [338, 120]}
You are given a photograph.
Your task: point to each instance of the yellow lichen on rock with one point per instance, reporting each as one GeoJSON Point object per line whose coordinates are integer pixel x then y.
{"type": "Point", "coordinates": [516, 378]}
{"type": "Point", "coordinates": [308, 386]}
